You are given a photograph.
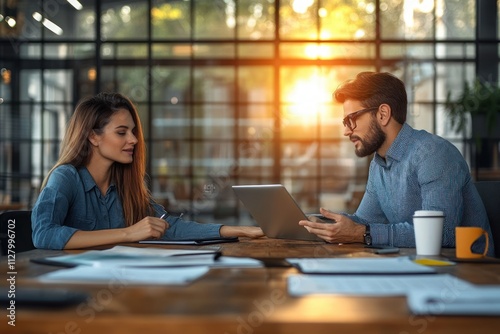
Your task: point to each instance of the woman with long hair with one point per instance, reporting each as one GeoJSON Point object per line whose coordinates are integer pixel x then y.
{"type": "Point", "coordinates": [96, 193]}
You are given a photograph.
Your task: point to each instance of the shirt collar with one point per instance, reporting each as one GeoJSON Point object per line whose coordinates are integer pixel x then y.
{"type": "Point", "coordinates": [88, 181]}
{"type": "Point", "coordinates": [398, 148]}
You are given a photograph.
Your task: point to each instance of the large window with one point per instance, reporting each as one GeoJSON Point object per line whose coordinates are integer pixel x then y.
{"type": "Point", "coordinates": [229, 91]}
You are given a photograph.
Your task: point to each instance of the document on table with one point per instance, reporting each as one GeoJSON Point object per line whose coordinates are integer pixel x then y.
{"type": "Point", "coordinates": [378, 285]}
{"type": "Point", "coordinates": [123, 256]}
{"type": "Point", "coordinates": [125, 275]}
{"type": "Point", "coordinates": [479, 300]}
{"type": "Point", "coordinates": [191, 242]}
{"type": "Point", "coordinates": [393, 265]}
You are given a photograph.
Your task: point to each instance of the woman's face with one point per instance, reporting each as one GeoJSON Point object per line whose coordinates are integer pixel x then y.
{"type": "Point", "coordinates": [117, 141]}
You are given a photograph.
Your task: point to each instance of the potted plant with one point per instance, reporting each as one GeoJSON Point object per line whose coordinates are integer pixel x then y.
{"type": "Point", "coordinates": [481, 102]}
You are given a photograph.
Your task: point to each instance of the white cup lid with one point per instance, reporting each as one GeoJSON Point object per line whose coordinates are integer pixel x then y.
{"type": "Point", "coordinates": [428, 213]}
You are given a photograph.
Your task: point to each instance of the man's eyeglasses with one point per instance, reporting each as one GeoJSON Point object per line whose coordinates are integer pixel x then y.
{"type": "Point", "coordinates": [350, 120]}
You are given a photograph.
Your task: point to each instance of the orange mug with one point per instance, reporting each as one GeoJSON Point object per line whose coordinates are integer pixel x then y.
{"type": "Point", "coordinates": [465, 237]}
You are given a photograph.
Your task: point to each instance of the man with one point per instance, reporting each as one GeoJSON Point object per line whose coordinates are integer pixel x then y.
{"type": "Point", "coordinates": [411, 170]}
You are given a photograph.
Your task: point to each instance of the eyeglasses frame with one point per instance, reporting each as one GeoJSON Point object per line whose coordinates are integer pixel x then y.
{"type": "Point", "coordinates": [353, 116]}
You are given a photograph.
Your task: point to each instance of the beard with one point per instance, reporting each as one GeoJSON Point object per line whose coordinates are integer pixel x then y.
{"type": "Point", "coordinates": [373, 141]}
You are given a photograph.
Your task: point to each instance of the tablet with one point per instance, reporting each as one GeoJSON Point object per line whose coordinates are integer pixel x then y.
{"type": "Point", "coordinates": [274, 210]}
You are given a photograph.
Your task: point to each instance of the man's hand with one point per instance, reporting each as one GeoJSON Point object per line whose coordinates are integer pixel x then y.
{"type": "Point", "coordinates": [343, 230]}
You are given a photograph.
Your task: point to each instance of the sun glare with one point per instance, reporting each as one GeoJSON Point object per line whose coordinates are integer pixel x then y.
{"type": "Point", "coordinates": [307, 99]}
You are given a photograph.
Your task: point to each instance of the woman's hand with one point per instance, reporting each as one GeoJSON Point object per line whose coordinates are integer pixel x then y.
{"type": "Point", "coordinates": [147, 228]}
{"type": "Point", "coordinates": [343, 230]}
{"type": "Point", "coordinates": [241, 231]}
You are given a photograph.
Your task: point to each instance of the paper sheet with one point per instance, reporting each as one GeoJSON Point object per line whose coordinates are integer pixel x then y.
{"type": "Point", "coordinates": [393, 265]}
{"type": "Point", "coordinates": [88, 274]}
{"type": "Point", "coordinates": [123, 256]}
{"type": "Point", "coordinates": [479, 300]}
{"type": "Point", "coordinates": [377, 285]}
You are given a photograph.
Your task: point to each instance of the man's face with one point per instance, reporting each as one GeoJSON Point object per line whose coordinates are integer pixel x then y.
{"type": "Point", "coordinates": [362, 128]}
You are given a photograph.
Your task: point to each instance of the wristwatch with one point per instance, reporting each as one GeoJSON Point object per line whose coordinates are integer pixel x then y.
{"type": "Point", "coordinates": [367, 237]}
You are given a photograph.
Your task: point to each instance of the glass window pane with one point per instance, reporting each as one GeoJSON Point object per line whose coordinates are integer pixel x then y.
{"type": "Point", "coordinates": [299, 159]}
{"type": "Point", "coordinates": [306, 94]}
{"type": "Point", "coordinates": [458, 20]}
{"type": "Point", "coordinates": [58, 85]}
{"type": "Point", "coordinates": [124, 20]}
{"type": "Point", "coordinates": [119, 51]}
{"type": "Point", "coordinates": [69, 51]}
{"type": "Point", "coordinates": [171, 122]}
{"type": "Point", "coordinates": [407, 19]}
{"type": "Point", "coordinates": [30, 50]}
{"type": "Point", "coordinates": [214, 19]}
{"type": "Point", "coordinates": [18, 22]}
{"type": "Point", "coordinates": [225, 50]}
{"type": "Point", "coordinates": [171, 19]}
{"type": "Point", "coordinates": [298, 19]}
{"type": "Point", "coordinates": [171, 51]}
{"type": "Point", "coordinates": [131, 81]}
{"type": "Point", "coordinates": [31, 85]}
{"type": "Point", "coordinates": [171, 84]}
{"type": "Point", "coordinates": [170, 158]}
{"type": "Point", "coordinates": [255, 158]}
{"type": "Point", "coordinates": [459, 50]}
{"type": "Point", "coordinates": [86, 81]}
{"type": "Point", "coordinates": [347, 19]}
{"type": "Point", "coordinates": [407, 50]}
{"type": "Point", "coordinates": [254, 50]}
{"type": "Point", "coordinates": [256, 84]}
{"type": "Point", "coordinates": [213, 122]}
{"type": "Point", "coordinates": [255, 19]}
{"type": "Point", "coordinates": [327, 50]}
{"type": "Point", "coordinates": [421, 117]}
{"type": "Point", "coordinates": [211, 157]}
{"type": "Point", "coordinates": [213, 84]}
{"type": "Point", "coordinates": [256, 122]}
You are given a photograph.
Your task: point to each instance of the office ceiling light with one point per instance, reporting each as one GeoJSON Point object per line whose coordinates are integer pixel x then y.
{"type": "Point", "coordinates": [76, 4]}
{"type": "Point", "coordinates": [10, 21]}
{"type": "Point", "coordinates": [48, 23]}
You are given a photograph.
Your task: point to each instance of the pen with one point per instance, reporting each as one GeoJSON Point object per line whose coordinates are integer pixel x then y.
{"type": "Point", "coordinates": [163, 215]}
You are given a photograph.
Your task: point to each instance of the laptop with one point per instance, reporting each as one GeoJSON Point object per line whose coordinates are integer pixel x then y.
{"type": "Point", "coordinates": [275, 211]}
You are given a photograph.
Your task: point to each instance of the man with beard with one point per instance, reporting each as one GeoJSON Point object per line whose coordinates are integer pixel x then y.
{"type": "Point", "coordinates": [410, 170]}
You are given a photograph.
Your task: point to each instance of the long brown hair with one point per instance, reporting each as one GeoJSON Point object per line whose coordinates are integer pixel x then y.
{"type": "Point", "coordinates": [93, 114]}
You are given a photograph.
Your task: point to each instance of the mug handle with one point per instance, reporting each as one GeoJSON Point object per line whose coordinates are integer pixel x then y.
{"type": "Point", "coordinates": [486, 246]}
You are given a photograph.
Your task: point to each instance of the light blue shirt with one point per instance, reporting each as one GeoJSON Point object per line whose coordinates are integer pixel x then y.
{"type": "Point", "coordinates": [421, 171]}
{"type": "Point", "coordinates": [71, 201]}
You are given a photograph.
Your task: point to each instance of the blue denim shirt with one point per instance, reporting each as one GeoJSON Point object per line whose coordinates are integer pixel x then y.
{"type": "Point", "coordinates": [421, 172]}
{"type": "Point", "coordinates": [71, 201]}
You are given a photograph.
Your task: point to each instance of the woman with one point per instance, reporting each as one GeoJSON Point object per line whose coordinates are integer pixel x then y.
{"type": "Point", "coordinates": [96, 192]}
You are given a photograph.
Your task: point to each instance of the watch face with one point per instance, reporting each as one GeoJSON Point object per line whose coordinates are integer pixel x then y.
{"type": "Point", "coordinates": [368, 239]}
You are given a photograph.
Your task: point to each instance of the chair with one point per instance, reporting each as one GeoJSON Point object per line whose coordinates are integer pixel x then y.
{"type": "Point", "coordinates": [490, 194]}
{"type": "Point", "coordinates": [18, 222]}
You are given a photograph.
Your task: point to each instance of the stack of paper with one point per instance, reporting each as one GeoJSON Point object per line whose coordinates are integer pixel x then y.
{"type": "Point", "coordinates": [122, 256]}
{"type": "Point", "coordinates": [377, 285]}
{"type": "Point", "coordinates": [125, 275]}
{"type": "Point", "coordinates": [479, 300]}
{"type": "Point", "coordinates": [134, 265]}
{"type": "Point", "coordinates": [393, 265]}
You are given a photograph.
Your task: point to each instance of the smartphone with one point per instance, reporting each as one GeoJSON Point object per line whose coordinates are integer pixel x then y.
{"type": "Point", "coordinates": [320, 216]}
{"type": "Point", "coordinates": [384, 249]}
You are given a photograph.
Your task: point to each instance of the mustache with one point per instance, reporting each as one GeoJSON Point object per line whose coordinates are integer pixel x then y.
{"type": "Point", "coordinates": [354, 137]}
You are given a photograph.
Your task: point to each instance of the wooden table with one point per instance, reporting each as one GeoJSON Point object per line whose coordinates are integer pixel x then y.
{"type": "Point", "coordinates": [241, 301]}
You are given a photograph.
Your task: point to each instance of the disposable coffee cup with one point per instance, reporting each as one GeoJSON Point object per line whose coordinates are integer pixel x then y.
{"type": "Point", "coordinates": [428, 226]}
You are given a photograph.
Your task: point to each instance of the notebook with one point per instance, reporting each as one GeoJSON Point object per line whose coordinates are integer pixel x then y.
{"type": "Point", "coordinates": [274, 210]}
